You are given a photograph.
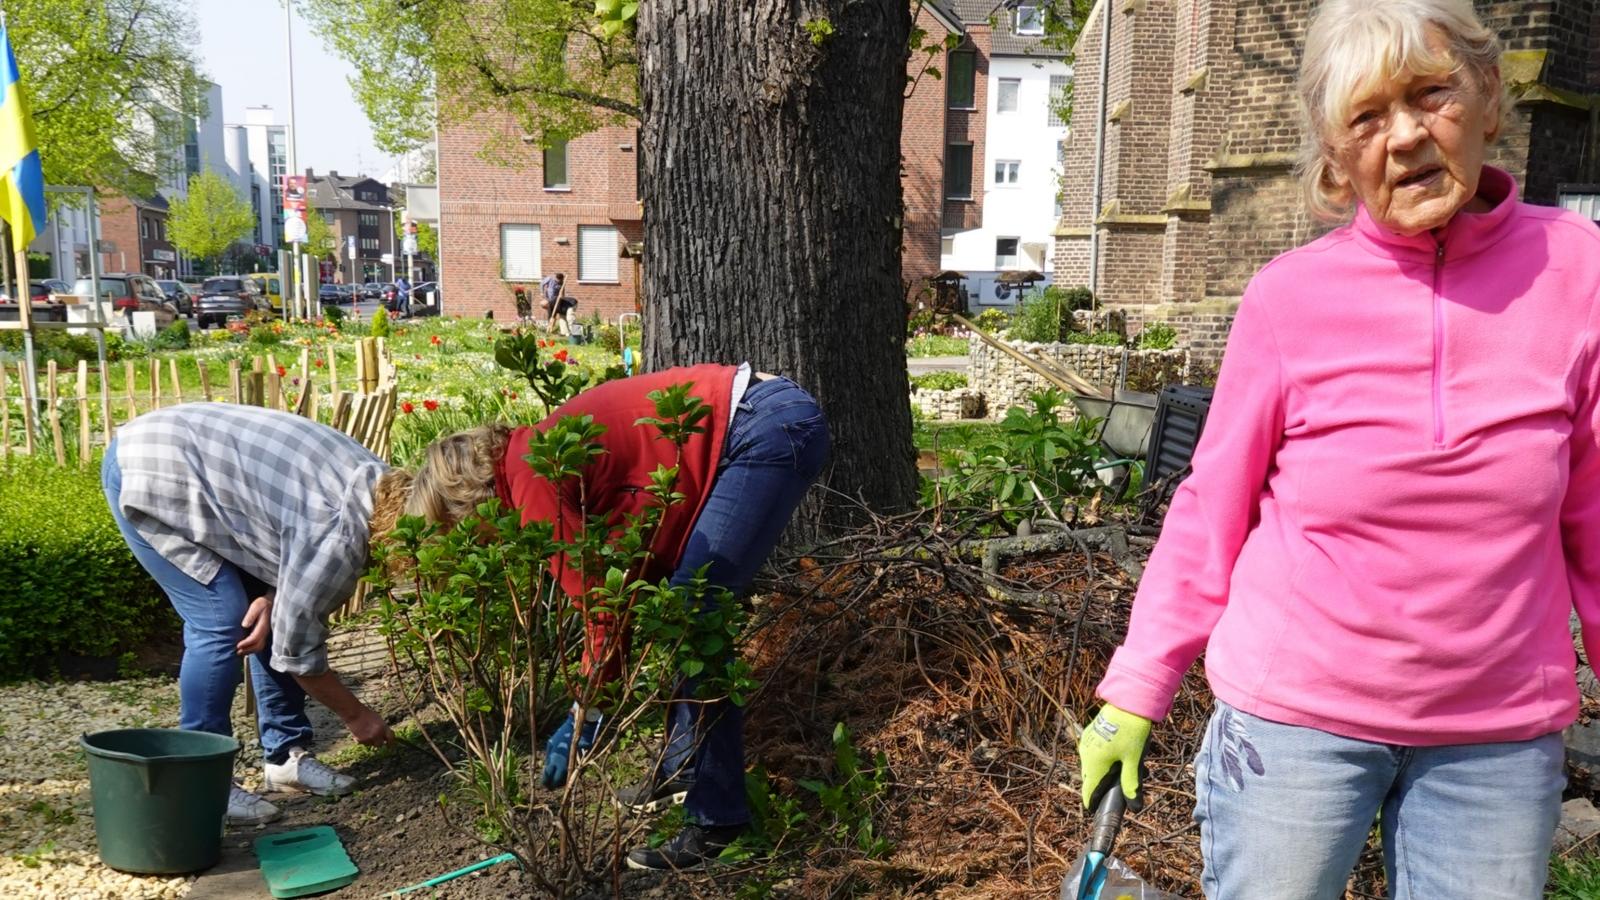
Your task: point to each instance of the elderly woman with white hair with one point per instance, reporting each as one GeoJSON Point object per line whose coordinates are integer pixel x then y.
{"type": "Point", "coordinates": [1395, 506]}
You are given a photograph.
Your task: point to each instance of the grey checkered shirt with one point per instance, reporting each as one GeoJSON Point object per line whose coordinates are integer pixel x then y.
{"type": "Point", "coordinates": [283, 498]}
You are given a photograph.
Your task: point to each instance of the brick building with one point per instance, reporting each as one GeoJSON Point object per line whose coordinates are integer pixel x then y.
{"type": "Point", "coordinates": [570, 208]}
{"type": "Point", "coordinates": [575, 208]}
{"type": "Point", "coordinates": [1201, 133]}
{"type": "Point", "coordinates": [358, 208]}
{"type": "Point", "coordinates": [133, 232]}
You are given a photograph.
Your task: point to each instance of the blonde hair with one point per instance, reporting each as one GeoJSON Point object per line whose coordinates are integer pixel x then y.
{"type": "Point", "coordinates": [389, 498]}
{"type": "Point", "coordinates": [457, 474]}
{"type": "Point", "coordinates": [1351, 45]}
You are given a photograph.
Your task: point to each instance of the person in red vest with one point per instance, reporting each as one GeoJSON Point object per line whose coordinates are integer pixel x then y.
{"type": "Point", "coordinates": [742, 478]}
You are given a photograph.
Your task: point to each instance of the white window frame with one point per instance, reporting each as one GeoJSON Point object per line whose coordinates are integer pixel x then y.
{"type": "Point", "coordinates": [1058, 86]}
{"type": "Point", "coordinates": [1030, 13]}
{"type": "Point", "coordinates": [530, 268]}
{"type": "Point", "coordinates": [1000, 93]}
{"type": "Point", "coordinates": [1016, 258]}
{"type": "Point", "coordinates": [1007, 167]}
{"type": "Point", "coordinates": [610, 249]}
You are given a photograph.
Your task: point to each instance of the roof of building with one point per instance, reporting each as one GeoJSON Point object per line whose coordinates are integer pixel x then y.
{"type": "Point", "coordinates": [946, 14]}
{"type": "Point", "coordinates": [335, 191]}
{"type": "Point", "coordinates": [1001, 16]}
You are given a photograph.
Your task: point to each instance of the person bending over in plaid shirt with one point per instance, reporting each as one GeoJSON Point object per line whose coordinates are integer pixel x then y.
{"type": "Point", "coordinates": [255, 523]}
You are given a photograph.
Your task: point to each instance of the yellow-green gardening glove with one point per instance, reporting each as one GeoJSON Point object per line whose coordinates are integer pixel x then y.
{"type": "Point", "coordinates": [1113, 742]}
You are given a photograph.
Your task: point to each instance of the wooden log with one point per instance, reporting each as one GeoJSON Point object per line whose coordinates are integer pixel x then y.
{"type": "Point", "coordinates": [106, 424]}
{"type": "Point", "coordinates": [27, 409]}
{"type": "Point", "coordinates": [205, 379]}
{"type": "Point", "coordinates": [274, 399]}
{"type": "Point", "coordinates": [177, 385]}
{"type": "Point", "coordinates": [235, 388]}
{"type": "Point", "coordinates": [129, 382]}
{"type": "Point", "coordinates": [305, 406]}
{"type": "Point", "coordinates": [5, 415]}
{"type": "Point", "coordinates": [340, 417]}
{"type": "Point", "coordinates": [54, 395]}
{"type": "Point", "coordinates": [83, 414]}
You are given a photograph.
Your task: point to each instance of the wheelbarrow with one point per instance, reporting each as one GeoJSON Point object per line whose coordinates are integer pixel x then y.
{"type": "Point", "coordinates": [1126, 422]}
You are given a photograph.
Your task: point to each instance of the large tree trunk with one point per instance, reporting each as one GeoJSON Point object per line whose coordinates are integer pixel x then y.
{"type": "Point", "coordinates": [771, 188]}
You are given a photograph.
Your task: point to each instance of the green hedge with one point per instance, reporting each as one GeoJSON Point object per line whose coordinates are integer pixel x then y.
{"type": "Point", "coordinates": [68, 583]}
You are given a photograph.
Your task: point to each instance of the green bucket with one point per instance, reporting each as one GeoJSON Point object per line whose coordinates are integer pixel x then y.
{"type": "Point", "coordinates": [160, 797]}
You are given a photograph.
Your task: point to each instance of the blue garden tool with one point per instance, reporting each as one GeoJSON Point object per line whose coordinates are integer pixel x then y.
{"type": "Point", "coordinates": [1097, 875]}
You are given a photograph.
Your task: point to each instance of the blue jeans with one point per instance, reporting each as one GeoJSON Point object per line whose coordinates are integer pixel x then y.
{"type": "Point", "coordinates": [1284, 811]}
{"type": "Point", "coordinates": [774, 450]}
{"type": "Point", "coordinates": [212, 617]}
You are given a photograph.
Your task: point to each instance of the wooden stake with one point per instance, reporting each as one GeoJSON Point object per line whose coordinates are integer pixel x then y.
{"type": "Point", "coordinates": [106, 424]}
{"type": "Point", "coordinates": [53, 393]}
{"type": "Point", "coordinates": [83, 414]}
{"type": "Point", "coordinates": [340, 416]}
{"type": "Point", "coordinates": [305, 406]}
{"type": "Point", "coordinates": [256, 389]}
{"type": "Point", "coordinates": [27, 408]}
{"type": "Point", "coordinates": [5, 415]}
{"type": "Point", "coordinates": [177, 386]}
{"type": "Point", "coordinates": [128, 385]}
{"type": "Point", "coordinates": [274, 398]}
{"type": "Point", "coordinates": [155, 384]}
{"type": "Point", "coordinates": [333, 372]}
{"type": "Point", "coordinates": [235, 388]}
{"type": "Point", "coordinates": [205, 380]}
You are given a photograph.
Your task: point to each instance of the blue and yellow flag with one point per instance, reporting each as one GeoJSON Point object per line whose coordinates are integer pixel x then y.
{"type": "Point", "coordinates": [21, 177]}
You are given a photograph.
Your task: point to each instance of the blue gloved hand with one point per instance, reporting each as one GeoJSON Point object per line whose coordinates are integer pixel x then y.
{"type": "Point", "coordinates": [560, 746]}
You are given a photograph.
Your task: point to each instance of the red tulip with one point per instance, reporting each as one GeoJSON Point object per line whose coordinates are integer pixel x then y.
{"type": "Point", "coordinates": [434, 340]}
{"type": "Point", "coordinates": [430, 405]}
{"type": "Point", "coordinates": [282, 371]}
{"type": "Point", "coordinates": [407, 408]}
{"type": "Point", "coordinates": [561, 355]}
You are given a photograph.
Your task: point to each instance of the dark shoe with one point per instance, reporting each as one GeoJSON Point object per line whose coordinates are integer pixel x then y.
{"type": "Point", "coordinates": [651, 795]}
{"type": "Point", "coordinates": [694, 846]}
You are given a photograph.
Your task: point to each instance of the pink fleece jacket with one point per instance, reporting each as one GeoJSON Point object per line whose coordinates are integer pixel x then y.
{"type": "Point", "coordinates": [1396, 501]}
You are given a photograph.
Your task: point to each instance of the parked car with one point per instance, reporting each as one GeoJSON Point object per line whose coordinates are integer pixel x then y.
{"type": "Point", "coordinates": [128, 293]}
{"type": "Point", "coordinates": [178, 295]}
{"type": "Point", "coordinates": [270, 289]}
{"type": "Point", "coordinates": [372, 290]}
{"type": "Point", "coordinates": [228, 295]}
{"type": "Point", "coordinates": [39, 290]}
{"type": "Point", "coordinates": [332, 293]}
{"type": "Point", "coordinates": [389, 295]}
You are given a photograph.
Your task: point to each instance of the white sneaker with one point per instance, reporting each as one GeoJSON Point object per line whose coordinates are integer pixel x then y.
{"type": "Point", "coordinates": [304, 772]}
{"type": "Point", "coordinates": [245, 808]}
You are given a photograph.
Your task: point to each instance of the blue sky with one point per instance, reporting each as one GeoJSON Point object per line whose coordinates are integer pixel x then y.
{"type": "Point", "coordinates": [241, 47]}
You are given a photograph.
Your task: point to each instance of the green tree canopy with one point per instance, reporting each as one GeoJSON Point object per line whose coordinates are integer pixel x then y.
{"type": "Point", "coordinates": [551, 66]}
{"type": "Point", "coordinates": [211, 218]}
{"type": "Point", "coordinates": [321, 242]}
{"type": "Point", "coordinates": [110, 83]}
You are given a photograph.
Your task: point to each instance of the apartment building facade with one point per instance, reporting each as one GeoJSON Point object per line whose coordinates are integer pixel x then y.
{"type": "Point", "coordinates": [979, 177]}
{"type": "Point", "coordinates": [133, 236]}
{"type": "Point", "coordinates": [362, 219]}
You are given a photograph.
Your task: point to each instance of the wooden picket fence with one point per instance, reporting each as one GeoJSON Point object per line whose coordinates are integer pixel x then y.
{"type": "Point", "coordinates": [365, 411]}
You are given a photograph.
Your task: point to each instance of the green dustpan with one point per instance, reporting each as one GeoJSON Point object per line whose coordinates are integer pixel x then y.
{"type": "Point", "coordinates": [304, 862]}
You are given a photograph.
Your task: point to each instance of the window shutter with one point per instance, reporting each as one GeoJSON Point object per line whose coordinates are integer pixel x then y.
{"type": "Point", "coordinates": [519, 252]}
{"type": "Point", "coordinates": [597, 253]}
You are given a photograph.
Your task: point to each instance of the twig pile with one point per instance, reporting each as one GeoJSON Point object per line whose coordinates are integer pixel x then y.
{"type": "Point", "coordinates": [973, 680]}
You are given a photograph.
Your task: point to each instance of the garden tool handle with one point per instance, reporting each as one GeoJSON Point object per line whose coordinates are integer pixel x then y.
{"type": "Point", "coordinates": [1107, 821]}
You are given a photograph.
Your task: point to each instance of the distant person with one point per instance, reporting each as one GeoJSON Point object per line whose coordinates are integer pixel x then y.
{"type": "Point", "coordinates": [1393, 518]}
{"type": "Point", "coordinates": [554, 300]}
{"type": "Point", "coordinates": [255, 524]}
{"type": "Point", "coordinates": [402, 287]}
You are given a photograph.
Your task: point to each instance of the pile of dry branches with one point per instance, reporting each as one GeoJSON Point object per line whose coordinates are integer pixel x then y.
{"type": "Point", "coordinates": [970, 664]}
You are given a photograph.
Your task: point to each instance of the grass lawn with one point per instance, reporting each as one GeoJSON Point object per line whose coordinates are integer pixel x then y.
{"type": "Point", "coordinates": [936, 345]}
{"type": "Point", "coordinates": [1574, 878]}
{"type": "Point", "coordinates": [946, 436]}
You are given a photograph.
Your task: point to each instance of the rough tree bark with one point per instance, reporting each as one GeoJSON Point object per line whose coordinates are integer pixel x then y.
{"type": "Point", "coordinates": [771, 188]}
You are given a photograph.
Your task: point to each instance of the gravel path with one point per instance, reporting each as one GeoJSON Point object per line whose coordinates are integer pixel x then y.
{"type": "Point", "coordinates": [47, 843]}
